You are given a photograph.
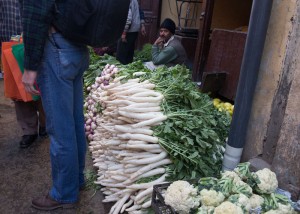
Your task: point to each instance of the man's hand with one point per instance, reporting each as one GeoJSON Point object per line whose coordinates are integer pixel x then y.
{"type": "Point", "coordinates": [143, 30]}
{"type": "Point", "coordinates": [123, 37]}
{"type": "Point", "coordinates": [28, 80]}
{"type": "Point", "coordinates": [159, 41]}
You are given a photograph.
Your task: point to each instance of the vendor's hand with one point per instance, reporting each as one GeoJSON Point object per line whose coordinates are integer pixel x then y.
{"type": "Point", "coordinates": [123, 38]}
{"type": "Point", "coordinates": [143, 30]}
{"type": "Point", "coordinates": [28, 80]}
{"type": "Point", "coordinates": [159, 41]}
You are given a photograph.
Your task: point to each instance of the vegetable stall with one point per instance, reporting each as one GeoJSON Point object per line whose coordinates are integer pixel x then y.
{"type": "Point", "coordinates": [150, 127]}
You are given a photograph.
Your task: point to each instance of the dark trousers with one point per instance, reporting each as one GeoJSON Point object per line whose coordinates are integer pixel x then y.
{"type": "Point", "coordinates": [125, 50]}
{"type": "Point", "coordinates": [30, 115]}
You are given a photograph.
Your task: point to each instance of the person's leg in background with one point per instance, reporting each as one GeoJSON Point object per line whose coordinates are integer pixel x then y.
{"type": "Point", "coordinates": [27, 118]}
{"type": "Point", "coordinates": [122, 50]}
{"type": "Point", "coordinates": [125, 50]}
{"type": "Point", "coordinates": [1, 69]}
{"type": "Point", "coordinates": [1, 72]}
{"type": "Point", "coordinates": [31, 118]}
{"type": "Point", "coordinates": [42, 119]}
{"type": "Point", "coordinates": [131, 39]}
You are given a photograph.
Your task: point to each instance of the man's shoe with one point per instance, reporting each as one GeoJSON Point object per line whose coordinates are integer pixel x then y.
{"type": "Point", "coordinates": [27, 140]}
{"type": "Point", "coordinates": [47, 203]}
{"type": "Point", "coordinates": [42, 132]}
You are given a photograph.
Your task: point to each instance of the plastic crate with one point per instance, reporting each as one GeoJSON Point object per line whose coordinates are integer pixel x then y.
{"type": "Point", "coordinates": [158, 202]}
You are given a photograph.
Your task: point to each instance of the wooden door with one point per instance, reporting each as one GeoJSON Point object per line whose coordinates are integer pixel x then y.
{"type": "Point", "coordinates": [152, 10]}
{"type": "Point", "coordinates": [203, 39]}
{"type": "Point", "coordinates": [225, 56]}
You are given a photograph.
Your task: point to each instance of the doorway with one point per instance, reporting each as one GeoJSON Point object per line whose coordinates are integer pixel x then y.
{"type": "Point", "coordinates": [220, 45]}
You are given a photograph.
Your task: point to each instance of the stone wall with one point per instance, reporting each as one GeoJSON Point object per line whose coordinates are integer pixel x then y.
{"type": "Point", "coordinates": [273, 132]}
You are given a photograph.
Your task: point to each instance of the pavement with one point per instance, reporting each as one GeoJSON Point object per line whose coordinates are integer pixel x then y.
{"type": "Point", "coordinates": [26, 173]}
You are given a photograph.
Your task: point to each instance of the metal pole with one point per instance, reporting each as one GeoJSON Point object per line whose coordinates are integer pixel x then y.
{"type": "Point", "coordinates": [259, 20]}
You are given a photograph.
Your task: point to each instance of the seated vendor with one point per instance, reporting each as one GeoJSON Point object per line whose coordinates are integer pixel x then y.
{"type": "Point", "coordinates": [167, 49]}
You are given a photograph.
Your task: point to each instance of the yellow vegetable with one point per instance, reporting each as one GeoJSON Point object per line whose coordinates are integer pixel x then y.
{"type": "Point", "coordinates": [226, 104]}
{"type": "Point", "coordinates": [223, 106]}
{"type": "Point", "coordinates": [216, 101]}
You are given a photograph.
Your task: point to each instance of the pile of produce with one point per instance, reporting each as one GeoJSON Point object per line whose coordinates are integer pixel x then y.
{"type": "Point", "coordinates": [235, 192]}
{"type": "Point", "coordinates": [223, 106]}
{"type": "Point", "coordinates": [143, 55]}
{"type": "Point", "coordinates": [97, 64]}
{"type": "Point", "coordinates": [123, 146]}
{"type": "Point", "coordinates": [145, 127]}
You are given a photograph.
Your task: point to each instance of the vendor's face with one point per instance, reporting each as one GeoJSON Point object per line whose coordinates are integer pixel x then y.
{"type": "Point", "coordinates": [165, 34]}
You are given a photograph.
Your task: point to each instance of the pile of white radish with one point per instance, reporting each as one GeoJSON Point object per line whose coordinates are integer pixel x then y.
{"type": "Point", "coordinates": [122, 144]}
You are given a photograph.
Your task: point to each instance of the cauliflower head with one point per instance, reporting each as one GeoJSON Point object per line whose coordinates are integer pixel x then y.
{"type": "Point", "coordinates": [267, 180]}
{"type": "Point", "coordinates": [206, 210]}
{"type": "Point", "coordinates": [256, 201]}
{"type": "Point", "coordinates": [231, 174]}
{"type": "Point", "coordinates": [182, 196]}
{"type": "Point", "coordinates": [211, 197]}
{"type": "Point", "coordinates": [286, 209]}
{"type": "Point", "coordinates": [273, 212]}
{"type": "Point", "coordinates": [228, 208]}
{"type": "Point", "coordinates": [282, 209]}
{"type": "Point", "coordinates": [240, 200]}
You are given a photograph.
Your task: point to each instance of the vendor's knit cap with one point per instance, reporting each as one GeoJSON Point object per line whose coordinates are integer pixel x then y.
{"type": "Point", "coordinates": [169, 24]}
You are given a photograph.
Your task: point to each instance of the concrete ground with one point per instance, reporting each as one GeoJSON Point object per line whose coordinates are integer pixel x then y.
{"type": "Point", "coordinates": [25, 173]}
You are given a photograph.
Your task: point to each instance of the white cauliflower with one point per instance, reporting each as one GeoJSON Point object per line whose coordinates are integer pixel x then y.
{"type": "Point", "coordinates": [282, 209]}
{"type": "Point", "coordinates": [267, 180]}
{"type": "Point", "coordinates": [231, 174]}
{"type": "Point", "coordinates": [182, 196]}
{"type": "Point", "coordinates": [244, 202]}
{"type": "Point", "coordinates": [273, 212]}
{"type": "Point", "coordinates": [286, 209]}
{"type": "Point", "coordinates": [205, 210]}
{"type": "Point", "coordinates": [211, 197]}
{"type": "Point", "coordinates": [256, 201]}
{"type": "Point", "coordinates": [241, 200]}
{"type": "Point", "coordinates": [228, 208]}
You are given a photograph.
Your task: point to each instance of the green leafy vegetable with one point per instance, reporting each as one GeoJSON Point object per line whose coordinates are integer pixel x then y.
{"type": "Point", "coordinates": [143, 55]}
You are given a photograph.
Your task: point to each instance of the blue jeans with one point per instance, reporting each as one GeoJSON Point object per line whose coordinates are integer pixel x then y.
{"type": "Point", "coordinates": [60, 80]}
